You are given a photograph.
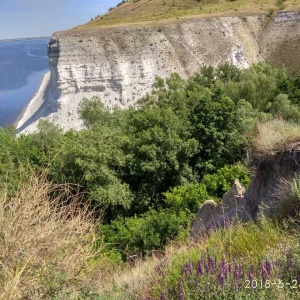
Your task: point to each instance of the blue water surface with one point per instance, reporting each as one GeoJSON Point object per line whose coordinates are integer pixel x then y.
{"type": "Point", "coordinates": [23, 63]}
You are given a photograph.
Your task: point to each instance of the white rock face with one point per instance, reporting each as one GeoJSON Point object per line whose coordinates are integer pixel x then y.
{"type": "Point", "coordinates": [119, 65]}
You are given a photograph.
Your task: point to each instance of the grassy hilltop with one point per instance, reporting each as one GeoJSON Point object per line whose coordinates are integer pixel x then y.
{"type": "Point", "coordinates": [135, 11]}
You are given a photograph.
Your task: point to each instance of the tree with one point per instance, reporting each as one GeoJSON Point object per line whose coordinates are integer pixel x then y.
{"type": "Point", "coordinates": [160, 148]}
{"type": "Point", "coordinates": [214, 126]}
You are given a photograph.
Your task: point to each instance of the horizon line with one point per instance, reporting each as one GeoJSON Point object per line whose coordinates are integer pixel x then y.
{"type": "Point", "coordinates": [27, 38]}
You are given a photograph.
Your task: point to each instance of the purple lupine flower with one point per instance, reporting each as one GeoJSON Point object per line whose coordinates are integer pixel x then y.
{"type": "Point", "coordinates": [268, 267]}
{"type": "Point", "coordinates": [226, 271]}
{"type": "Point", "coordinates": [236, 273]}
{"type": "Point", "coordinates": [262, 272]}
{"type": "Point", "coordinates": [190, 267]}
{"type": "Point", "coordinates": [223, 266]}
{"type": "Point", "coordinates": [187, 268]}
{"type": "Point", "coordinates": [220, 280]}
{"type": "Point", "coordinates": [199, 268]}
{"type": "Point", "coordinates": [206, 268]}
{"type": "Point", "coordinates": [210, 228]}
{"type": "Point", "coordinates": [288, 262]}
{"type": "Point", "coordinates": [181, 294]}
{"type": "Point", "coordinates": [210, 262]}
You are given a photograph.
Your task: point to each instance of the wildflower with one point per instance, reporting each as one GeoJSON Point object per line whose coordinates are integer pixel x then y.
{"type": "Point", "coordinates": [199, 268]}
{"type": "Point", "coordinates": [181, 294]}
{"type": "Point", "coordinates": [236, 273]}
{"type": "Point", "coordinates": [268, 267]}
{"type": "Point", "coordinates": [251, 273]}
{"type": "Point", "coordinates": [211, 263]}
{"type": "Point", "coordinates": [262, 272]}
{"type": "Point", "coordinates": [220, 280]}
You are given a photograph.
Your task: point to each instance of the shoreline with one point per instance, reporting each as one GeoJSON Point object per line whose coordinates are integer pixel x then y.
{"type": "Point", "coordinates": [35, 103]}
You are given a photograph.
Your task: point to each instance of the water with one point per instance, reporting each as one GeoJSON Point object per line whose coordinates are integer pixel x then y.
{"type": "Point", "coordinates": [23, 63]}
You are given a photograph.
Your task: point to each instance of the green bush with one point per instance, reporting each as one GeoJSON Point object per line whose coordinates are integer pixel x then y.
{"type": "Point", "coordinates": [189, 197]}
{"type": "Point", "coordinates": [140, 235]}
{"type": "Point", "coordinates": [219, 183]}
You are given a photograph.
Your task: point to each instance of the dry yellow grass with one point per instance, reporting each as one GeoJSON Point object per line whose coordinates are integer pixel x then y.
{"type": "Point", "coordinates": [274, 135]}
{"type": "Point", "coordinates": [159, 10]}
{"type": "Point", "coordinates": [44, 246]}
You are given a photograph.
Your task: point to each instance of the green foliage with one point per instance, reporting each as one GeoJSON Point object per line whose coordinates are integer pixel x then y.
{"type": "Point", "coordinates": [163, 159]}
{"type": "Point", "coordinates": [161, 147]}
{"type": "Point", "coordinates": [282, 107]}
{"type": "Point", "coordinates": [219, 183]}
{"type": "Point", "coordinates": [92, 159]}
{"type": "Point", "coordinates": [189, 197]}
{"type": "Point", "coordinates": [296, 188]}
{"type": "Point", "coordinates": [9, 164]}
{"type": "Point", "coordinates": [258, 85]}
{"type": "Point", "coordinates": [150, 231]}
{"type": "Point", "coordinates": [215, 127]}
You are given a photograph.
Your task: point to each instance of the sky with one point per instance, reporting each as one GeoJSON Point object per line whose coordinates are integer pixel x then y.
{"type": "Point", "coordinates": [40, 18]}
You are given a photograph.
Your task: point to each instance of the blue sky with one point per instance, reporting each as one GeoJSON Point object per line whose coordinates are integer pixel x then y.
{"type": "Point", "coordinates": [33, 18]}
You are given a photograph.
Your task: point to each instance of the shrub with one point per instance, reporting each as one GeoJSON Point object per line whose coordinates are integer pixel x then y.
{"type": "Point", "coordinates": [219, 183]}
{"type": "Point", "coordinates": [140, 235]}
{"type": "Point", "coordinates": [189, 197]}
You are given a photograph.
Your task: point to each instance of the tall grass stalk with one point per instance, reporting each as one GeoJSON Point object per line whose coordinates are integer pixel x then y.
{"type": "Point", "coordinates": [45, 244]}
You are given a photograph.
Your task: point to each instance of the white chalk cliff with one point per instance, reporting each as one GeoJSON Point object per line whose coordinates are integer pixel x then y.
{"type": "Point", "coordinates": [119, 64]}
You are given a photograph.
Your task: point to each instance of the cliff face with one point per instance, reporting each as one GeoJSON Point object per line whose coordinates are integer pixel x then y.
{"type": "Point", "coordinates": [119, 65]}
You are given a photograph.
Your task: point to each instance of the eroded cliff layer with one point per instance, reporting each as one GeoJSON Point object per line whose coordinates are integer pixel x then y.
{"type": "Point", "coordinates": [119, 65]}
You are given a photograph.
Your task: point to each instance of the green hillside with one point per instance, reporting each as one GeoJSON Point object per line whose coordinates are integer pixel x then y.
{"type": "Point", "coordinates": [135, 11]}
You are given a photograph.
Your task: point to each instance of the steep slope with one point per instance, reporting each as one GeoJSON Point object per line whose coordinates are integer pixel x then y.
{"type": "Point", "coordinates": [119, 64]}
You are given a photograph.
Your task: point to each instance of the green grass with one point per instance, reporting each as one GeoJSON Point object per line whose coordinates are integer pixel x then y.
{"type": "Point", "coordinates": [249, 246]}
{"type": "Point", "coordinates": [159, 10]}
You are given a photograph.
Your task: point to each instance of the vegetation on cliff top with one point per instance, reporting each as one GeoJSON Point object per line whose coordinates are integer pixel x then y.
{"type": "Point", "coordinates": [136, 11]}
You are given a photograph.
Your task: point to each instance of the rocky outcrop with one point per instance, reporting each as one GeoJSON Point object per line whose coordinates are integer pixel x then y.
{"type": "Point", "coordinates": [119, 64]}
{"type": "Point", "coordinates": [264, 197]}
{"type": "Point", "coordinates": [211, 215]}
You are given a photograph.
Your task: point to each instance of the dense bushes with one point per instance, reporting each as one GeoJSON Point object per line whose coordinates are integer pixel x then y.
{"type": "Point", "coordinates": [150, 231]}
{"type": "Point", "coordinates": [162, 160]}
{"type": "Point", "coordinates": [189, 197]}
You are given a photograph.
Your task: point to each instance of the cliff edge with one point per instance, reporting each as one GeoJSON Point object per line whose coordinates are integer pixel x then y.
{"type": "Point", "coordinates": [119, 64]}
